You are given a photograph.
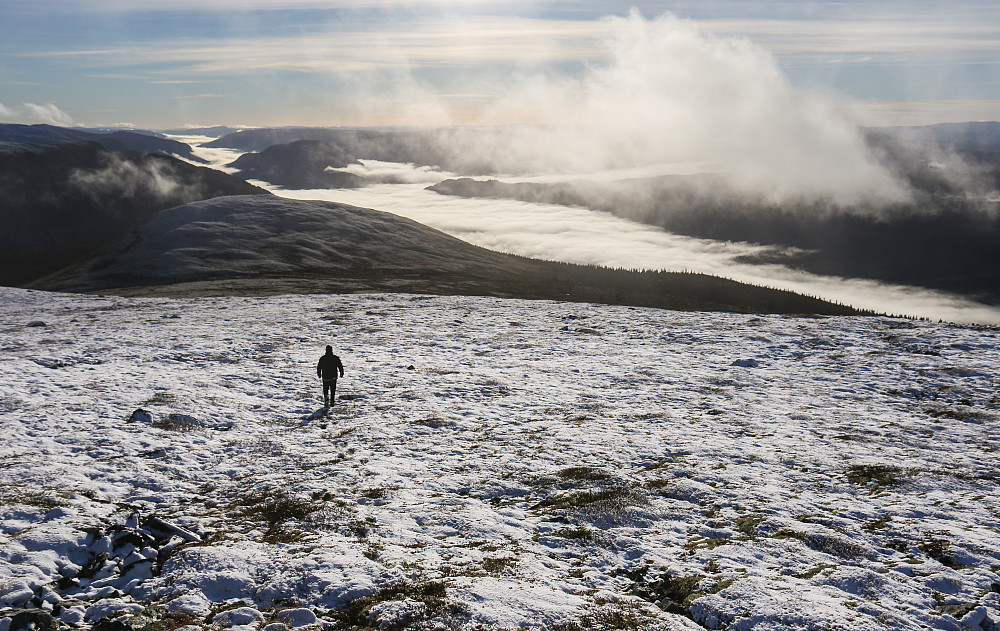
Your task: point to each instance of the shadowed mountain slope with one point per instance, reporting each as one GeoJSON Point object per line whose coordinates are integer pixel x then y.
{"type": "Point", "coordinates": [299, 164]}
{"type": "Point", "coordinates": [251, 245]}
{"type": "Point", "coordinates": [62, 203]}
{"type": "Point", "coordinates": [14, 136]}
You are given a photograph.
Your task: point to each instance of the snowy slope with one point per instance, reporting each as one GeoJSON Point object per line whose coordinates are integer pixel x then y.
{"type": "Point", "coordinates": [249, 236]}
{"type": "Point", "coordinates": [493, 464]}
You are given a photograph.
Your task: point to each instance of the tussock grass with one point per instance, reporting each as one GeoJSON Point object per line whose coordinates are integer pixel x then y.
{"type": "Point", "coordinates": [19, 494]}
{"type": "Point", "coordinates": [609, 500]}
{"type": "Point", "coordinates": [356, 615]}
{"type": "Point", "coordinates": [160, 398]}
{"type": "Point", "coordinates": [280, 511]}
{"type": "Point", "coordinates": [495, 566]}
{"type": "Point", "coordinates": [877, 475]}
{"type": "Point", "coordinates": [584, 474]}
{"type": "Point", "coordinates": [605, 615]}
{"type": "Point", "coordinates": [749, 525]}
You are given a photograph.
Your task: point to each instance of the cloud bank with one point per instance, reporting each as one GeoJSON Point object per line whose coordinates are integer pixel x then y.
{"type": "Point", "coordinates": [33, 113]}
{"type": "Point", "coordinates": [671, 93]}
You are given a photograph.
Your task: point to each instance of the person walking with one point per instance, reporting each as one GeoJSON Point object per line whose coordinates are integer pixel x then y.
{"type": "Point", "coordinates": [328, 369]}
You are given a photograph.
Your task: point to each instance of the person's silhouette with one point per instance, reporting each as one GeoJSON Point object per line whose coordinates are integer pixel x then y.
{"type": "Point", "coordinates": [329, 368]}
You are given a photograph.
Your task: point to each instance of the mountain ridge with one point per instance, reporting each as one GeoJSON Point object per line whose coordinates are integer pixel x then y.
{"type": "Point", "coordinates": [129, 142]}
{"type": "Point", "coordinates": [265, 245]}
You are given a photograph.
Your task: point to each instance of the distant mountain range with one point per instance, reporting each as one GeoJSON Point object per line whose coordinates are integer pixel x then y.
{"type": "Point", "coordinates": [447, 147]}
{"type": "Point", "coordinates": [84, 218]}
{"type": "Point", "coordinates": [83, 209]}
{"type": "Point", "coordinates": [970, 138]}
{"type": "Point", "coordinates": [126, 142]}
{"type": "Point", "coordinates": [215, 131]}
{"type": "Point", "coordinates": [947, 238]}
{"type": "Point", "coordinates": [455, 149]}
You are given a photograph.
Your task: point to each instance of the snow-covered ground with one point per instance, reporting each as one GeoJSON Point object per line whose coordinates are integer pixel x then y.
{"type": "Point", "coordinates": [493, 464]}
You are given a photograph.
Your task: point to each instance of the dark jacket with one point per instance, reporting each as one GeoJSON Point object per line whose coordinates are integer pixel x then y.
{"type": "Point", "coordinates": [328, 366]}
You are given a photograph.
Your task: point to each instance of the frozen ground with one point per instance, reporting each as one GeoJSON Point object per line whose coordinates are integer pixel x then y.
{"type": "Point", "coordinates": [493, 464]}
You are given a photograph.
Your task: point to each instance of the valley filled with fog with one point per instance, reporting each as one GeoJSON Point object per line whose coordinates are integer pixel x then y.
{"type": "Point", "coordinates": [581, 235]}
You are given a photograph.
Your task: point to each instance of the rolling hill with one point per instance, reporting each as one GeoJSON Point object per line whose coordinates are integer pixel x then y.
{"type": "Point", "coordinates": [63, 202]}
{"type": "Point", "coordinates": [269, 245]}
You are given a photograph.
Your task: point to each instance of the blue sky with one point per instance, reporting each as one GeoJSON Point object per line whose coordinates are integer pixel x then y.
{"type": "Point", "coordinates": [167, 63]}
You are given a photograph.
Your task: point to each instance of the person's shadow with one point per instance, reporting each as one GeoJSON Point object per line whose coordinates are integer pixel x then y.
{"type": "Point", "coordinates": [318, 414]}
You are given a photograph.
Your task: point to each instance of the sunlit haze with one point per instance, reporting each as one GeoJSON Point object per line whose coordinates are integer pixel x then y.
{"type": "Point", "coordinates": [160, 64]}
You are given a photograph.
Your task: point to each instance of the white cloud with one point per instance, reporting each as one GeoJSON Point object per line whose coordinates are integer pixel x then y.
{"type": "Point", "coordinates": [671, 93]}
{"type": "Point", "coordinates": [33, 113]}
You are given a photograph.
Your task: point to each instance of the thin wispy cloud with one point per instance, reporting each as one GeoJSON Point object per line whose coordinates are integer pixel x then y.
{"type": "Point", "coordinates": [180, 82]}
{"type": "Point", "coordinates": [374, 47]}
{"type": "Point", "coordinates": [129, 6]}
{"type": "Point", "coordinates": [201, 96]}
{"type": "Point", "coordinates": [505, 39]}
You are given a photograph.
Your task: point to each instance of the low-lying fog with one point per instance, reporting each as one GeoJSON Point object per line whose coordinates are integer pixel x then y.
{"type": "Point", "coordinates": [580, 235]}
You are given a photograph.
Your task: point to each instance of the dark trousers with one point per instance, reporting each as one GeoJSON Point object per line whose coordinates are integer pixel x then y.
{"type": "Point", "coordinates": [329, 390]}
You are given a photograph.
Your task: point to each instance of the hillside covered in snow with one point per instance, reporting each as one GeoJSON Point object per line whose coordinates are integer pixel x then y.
{"type": "Point", "coordinates": [491, 464]}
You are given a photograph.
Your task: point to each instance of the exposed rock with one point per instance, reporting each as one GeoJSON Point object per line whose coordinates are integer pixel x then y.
{"type": "Point", "coordinates": [93, 566]}
{"type": "Point", "coordinates": [974, 619]}
{"type": "Point", "coordinates": [109, 624]}
{"type": "Point", "coordinates": [33, 620]}
{"type": "Point", "coordinates": [151, 618]}
{"type": "Point", "coordinates": [110, 607]}
{"type": "Point", "coordinates": [140, 416]}
{"type": "Point", "coordinates": [179, 422]}
{"type": "Point", "coordinates": [295, 618]}
{"type": "Point", "coordinates": [193, 603]}
{"type": "Point", "coordinates": [239, 617]}
{"type": "Point", "coordinates": [165, 530]}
